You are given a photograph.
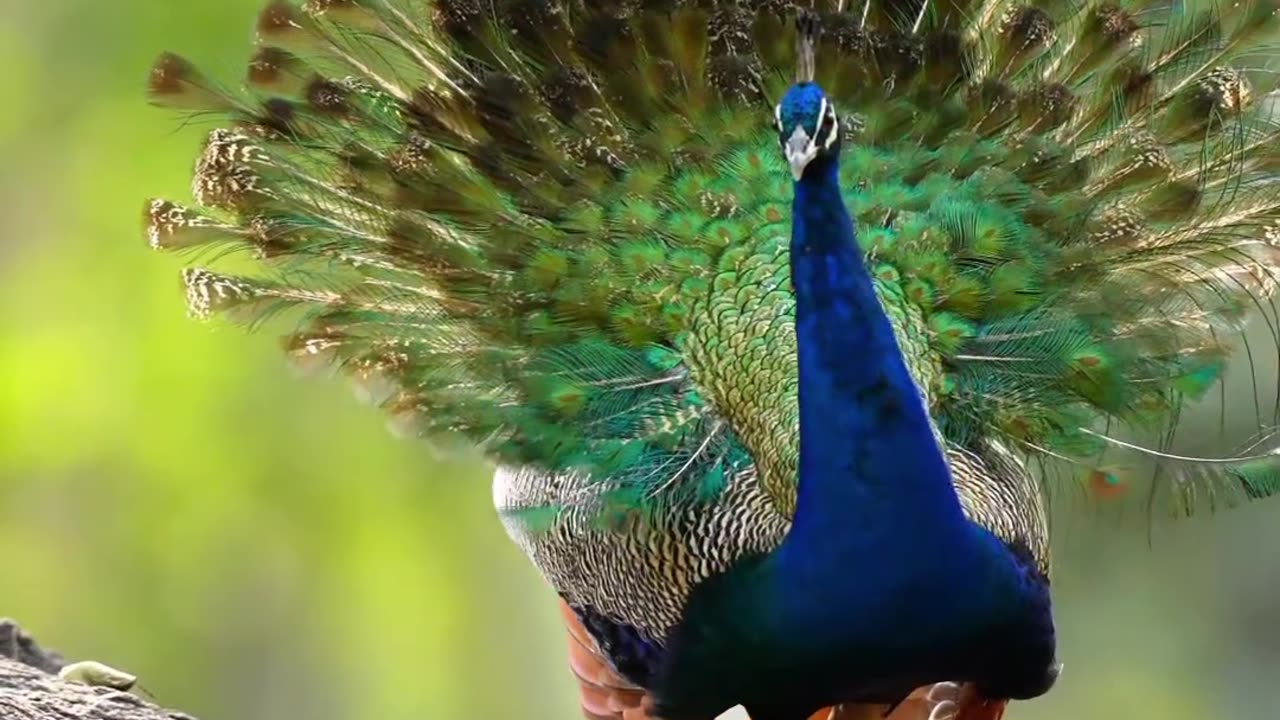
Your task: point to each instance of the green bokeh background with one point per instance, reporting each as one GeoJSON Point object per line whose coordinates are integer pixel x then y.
{"type": "Point", "coordinates": [253, 545]}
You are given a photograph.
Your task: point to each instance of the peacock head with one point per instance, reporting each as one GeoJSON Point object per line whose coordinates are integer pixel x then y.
{"type": "Point", "coordinates": [807, 127]}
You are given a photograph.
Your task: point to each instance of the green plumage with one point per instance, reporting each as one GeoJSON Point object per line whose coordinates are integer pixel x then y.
{"type": "Point", "coordinates": [559, 231]}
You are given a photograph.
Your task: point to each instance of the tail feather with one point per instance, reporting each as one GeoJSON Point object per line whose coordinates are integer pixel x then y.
{"type": "Point", "coordinates": [558, 229]}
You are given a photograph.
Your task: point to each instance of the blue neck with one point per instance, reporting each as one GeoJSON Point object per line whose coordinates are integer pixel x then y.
{"type": "Point", "coordinates": [869, 461]}
{"type": "Point", "coordinates": [881, 585]}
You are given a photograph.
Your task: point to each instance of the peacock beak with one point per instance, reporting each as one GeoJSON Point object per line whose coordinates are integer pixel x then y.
{"type": "Point", "coordinates": [800, 150]}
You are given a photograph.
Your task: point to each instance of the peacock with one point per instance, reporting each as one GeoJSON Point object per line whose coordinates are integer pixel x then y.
{"type": "Point", "coordinates": [780, 325]}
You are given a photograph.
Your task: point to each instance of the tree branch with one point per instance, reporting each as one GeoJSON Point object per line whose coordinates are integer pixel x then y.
{"type": "Point", "coordinates": [30, 688]}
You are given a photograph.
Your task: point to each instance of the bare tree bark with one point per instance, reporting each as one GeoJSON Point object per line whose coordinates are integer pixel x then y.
{"type": "Point", "coordinates": [30, 688]}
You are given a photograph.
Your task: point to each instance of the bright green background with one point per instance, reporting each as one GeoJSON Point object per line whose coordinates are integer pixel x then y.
{"type": "Point", "coordinates": [253, 545]}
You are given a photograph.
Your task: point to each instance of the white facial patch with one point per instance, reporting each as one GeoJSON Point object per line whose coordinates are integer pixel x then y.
{"type": "Point", "coordinates": [800, 150]}
{"type": "Point", "coordinates": [835, 132]}
{"type": "Point", "coordinates": [800, 140]}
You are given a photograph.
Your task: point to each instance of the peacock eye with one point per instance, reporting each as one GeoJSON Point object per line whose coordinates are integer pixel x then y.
{"type": "Point", "coordinates": [777, 116]}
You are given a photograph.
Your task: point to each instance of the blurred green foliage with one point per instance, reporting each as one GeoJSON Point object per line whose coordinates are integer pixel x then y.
{"type": "Point", "coordinates": [174, 502]}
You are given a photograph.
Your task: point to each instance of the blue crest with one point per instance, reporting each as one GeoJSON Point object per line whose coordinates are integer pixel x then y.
{"type": "Point", "coordinates": [801, 105]}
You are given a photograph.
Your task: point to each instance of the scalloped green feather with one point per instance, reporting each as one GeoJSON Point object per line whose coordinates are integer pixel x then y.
{"type": "Point", "coordinates": [565, 238]}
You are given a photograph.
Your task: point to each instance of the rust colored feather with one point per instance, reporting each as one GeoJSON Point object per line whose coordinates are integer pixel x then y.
{"type": "Point", "coordinates": [973, 706]}
{"type": "Point", "coordinates": [606, 695]}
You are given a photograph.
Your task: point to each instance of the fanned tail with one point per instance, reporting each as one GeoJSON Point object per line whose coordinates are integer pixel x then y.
{"type": "Point", "coordinates": [557, 229]}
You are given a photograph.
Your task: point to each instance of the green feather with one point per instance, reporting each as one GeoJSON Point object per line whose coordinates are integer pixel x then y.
{"type": "Point", "coordinates": [562, 234]}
